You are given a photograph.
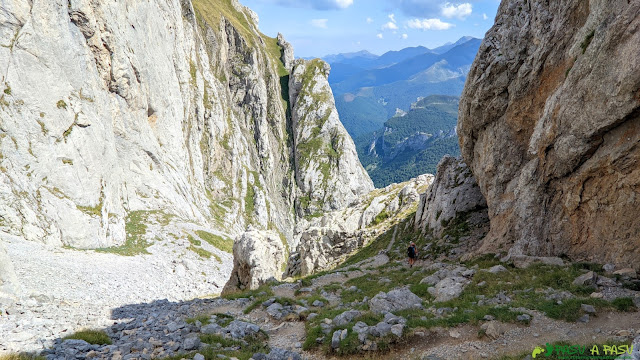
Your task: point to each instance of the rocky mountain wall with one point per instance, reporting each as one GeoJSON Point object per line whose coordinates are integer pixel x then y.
{"type": "Point", "coordinates": [112, 110]}
{"type": "Point", "coordinates": [549, 123]}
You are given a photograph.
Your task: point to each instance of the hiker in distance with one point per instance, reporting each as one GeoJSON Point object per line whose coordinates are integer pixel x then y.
{"type": "Point", "coordinates": [412, 252]}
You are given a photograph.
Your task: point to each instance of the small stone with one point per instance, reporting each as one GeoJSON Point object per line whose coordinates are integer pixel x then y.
{"type": "Point", "coordinates": [605, 281]}
{"type": "Point", "coordinates": [482, 284]}
{"type": "Point", "coordinates": [589, 309]}
{"type": "Point", "coordinates": [454, 334]}
{"type": "Point", "coordinates": [489, 317]}
{"type": "Point", "coordinates": [493, 329]}
{"type": "Point", "coordinates": [625, 333]}
{"type": "Point", "coordinates": [584, 319]}
{"type": "Point", "coordinates": [608, 268]}
{"type": "Point", "coordinates": [523, 317]}
{"type": "Point", "coordinates": [597, 295]}
{"type": "Point", "coordinates": [536, 335]}
{"type": "Point", "coordinates": [626, 273]}
{"type": "Point", "coordinates": [335, 339]}
{"type": "Point", "coordinates": [588, 279]}
{"type": "Point", "coordinates": [198, 357]}
{"type": "Point", "coordinates": [318, 303]}
{"type": "Point", "coordinates": [497, 269]}
{"type": "Point", "coordinates": [191, 342]}
{"type": "Point", "coordinates": [397, 330]}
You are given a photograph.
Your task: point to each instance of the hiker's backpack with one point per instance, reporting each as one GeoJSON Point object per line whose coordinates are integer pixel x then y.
{"type": "Point", "coordinates": [411, 251]}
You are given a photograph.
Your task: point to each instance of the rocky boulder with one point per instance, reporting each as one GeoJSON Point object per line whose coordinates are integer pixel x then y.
{"type": "Point", "coordinates": [550, 124]}
{"type": "Point", "coordinates": [453, 204]}
{"type": "Point", "coordinates": [395, 300]}
{"type": "Point", "coordinates": [321, 248]}
{"type": "Point", "coordinates": [448, 288]}
{"type": "Point", "coordinates": [453, 192]}
{"type": "Point", "coordinates": [258, 256]}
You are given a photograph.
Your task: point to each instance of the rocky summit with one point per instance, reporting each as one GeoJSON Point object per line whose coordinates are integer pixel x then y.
{"type": "Point", "coordinates": [174, 184]}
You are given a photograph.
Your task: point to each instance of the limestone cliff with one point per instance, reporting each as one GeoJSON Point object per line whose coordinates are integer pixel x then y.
{"type": "Point", "coordinates": [550, 126]}
{"type": "Point", "coordinates": [172, 109]}
{"type": "Point", "coordinates": [329, 174]}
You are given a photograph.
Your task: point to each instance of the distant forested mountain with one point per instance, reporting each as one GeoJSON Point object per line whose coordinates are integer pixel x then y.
{"type": "Point", "coordinates": [369, 88]}
{"type": "Point", "coordinates": [411, 143]}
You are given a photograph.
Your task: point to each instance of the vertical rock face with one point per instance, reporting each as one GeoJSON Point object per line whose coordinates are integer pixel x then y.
{"type": "Point", "coordinates": [258, 257]}
{"type": "Point", "coordinates": [171, 106]}
{"type": "Point", "coordinates": [549, 123]}
{"type": "Point", "coordinates": [454, 193]}
{"type": "Point", "coordinates": [328, 172]}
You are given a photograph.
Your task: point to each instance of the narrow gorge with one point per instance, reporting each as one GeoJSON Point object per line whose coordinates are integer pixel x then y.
{"type": "Point", "coordinates": [180, 182]}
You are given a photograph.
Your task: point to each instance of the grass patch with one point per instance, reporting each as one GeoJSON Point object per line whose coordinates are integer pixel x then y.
{"type": "Point", "coordinates": [384, 215]}
{"type": "Point", "coordinates": [219, 242]}
{"type": "Point", "coordinates": [202, 252]}
{"type": "Point", "coordinates": [204, 319]}
{"type": "Point", "coordinates": [21, 357]}
{"type": "Point", "coordinates": [135, 228]}
{"type": "Point", "coordinates": [624, 304]}
{"type": "Point", "coordinates": [250, 293]}
{"type": "Point", "coordinates": [61, 104]}
{"type": "Point", "coordinates": [587, 41]}
{"type": "Point", "coordinates": [94, 337]}
{"type": "Point", "coordinates": [245, 349]}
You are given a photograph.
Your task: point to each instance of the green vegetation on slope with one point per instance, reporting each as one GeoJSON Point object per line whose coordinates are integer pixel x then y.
{"type": "Point", "coordinates": [94, 337]}
{"type": "Point", "coordinates": [394, 162]}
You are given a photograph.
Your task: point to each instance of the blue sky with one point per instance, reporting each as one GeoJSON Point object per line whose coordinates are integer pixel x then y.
{"type": "Point", "coordinates": [322, 27]}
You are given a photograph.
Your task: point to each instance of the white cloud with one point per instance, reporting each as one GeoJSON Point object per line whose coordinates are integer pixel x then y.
{"type": "Point", "coordinates": [405, 36]}
{"type": "Point", "coordinates": [369, 20]}
{"type": "Point", "coordinates": [379, 36]}
{"type": "Point", "coordinates": [343, 4]}
{"type": "Point", "coordinates": [484, 16]}
{"type": "Point", "coordinates": [392, 17]}
{"type": "Point", "coordinates": [314, 4]}
{"type": "Point", "coordinates": [429, 24]}
{"type": "Point", "coordinates": [460, 11]}
{"type": "Point", "coordinates": [319, 23]}
{"type": "Point", "coordinates": [390, 26]}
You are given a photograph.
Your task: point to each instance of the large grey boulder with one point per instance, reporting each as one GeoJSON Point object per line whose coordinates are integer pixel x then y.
{"type": "Point", "coordinates": [346, 317]}
{"type": "Point", "coordinates": [549, 127]}
{"type": "Point", "coordinates": [448, 288]}
{"type": "Point", "coordinates": [395, 300]}
{"type": "Point", "coordinates": [258, 256]}
{"type": "Point", "coordinates": [453, 193]}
